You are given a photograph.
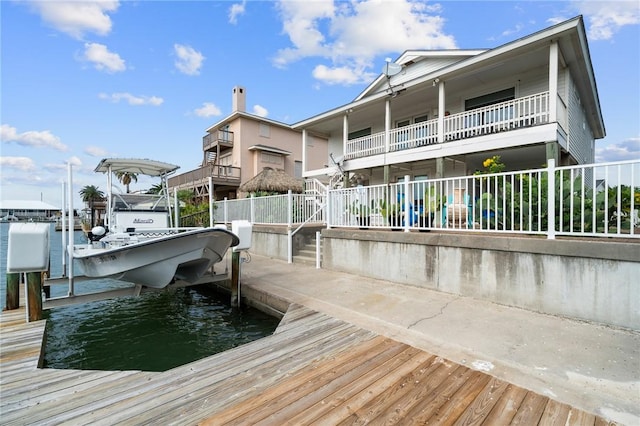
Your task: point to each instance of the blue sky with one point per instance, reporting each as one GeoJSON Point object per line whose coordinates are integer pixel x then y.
{"type": "Point", "coordinates": [81, 81]}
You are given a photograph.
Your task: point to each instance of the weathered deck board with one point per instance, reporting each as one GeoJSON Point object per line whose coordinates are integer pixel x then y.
{"type": "Point", "coordinates": [314, 370]}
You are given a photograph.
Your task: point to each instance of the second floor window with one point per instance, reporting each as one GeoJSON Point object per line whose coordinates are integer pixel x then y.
{"type": "Point", "coordinates": [265, 130]}
{"type": "Point", "coordinates": [269, 158]}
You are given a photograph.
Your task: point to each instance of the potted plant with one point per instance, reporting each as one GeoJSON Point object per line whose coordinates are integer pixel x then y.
{"type": "Point", "coordinates": [392, 213]}
{"type": "Point", "coordinates": [362, 212]}
{"type": "Point", "coordinates": [433, 202]}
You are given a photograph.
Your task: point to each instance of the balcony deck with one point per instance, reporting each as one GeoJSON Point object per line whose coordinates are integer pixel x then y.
{"type": "Point", "coordinates": [200, 176]}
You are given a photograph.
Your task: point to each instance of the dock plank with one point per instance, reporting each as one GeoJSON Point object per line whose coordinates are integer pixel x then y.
{"type": "Point", "coordinates": [507, 406]}
{"type": "Point", "coordinates": [531, 409]}
{"type": "Point", "coordinates": [380, 403]}
{"type": "Point", "coordinates": [476, 412]}
{"type": "Point", "coordinates": [280, 393]}
{"type": "Point", "coordinates": [554, 414]}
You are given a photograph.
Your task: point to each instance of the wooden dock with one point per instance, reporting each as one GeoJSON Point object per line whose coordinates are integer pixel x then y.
{"type": "Point", "coordinates": [314, 369]}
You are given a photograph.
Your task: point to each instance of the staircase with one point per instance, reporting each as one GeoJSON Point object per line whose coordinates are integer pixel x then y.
{"type": "Point", "coordinates": [307, 253]}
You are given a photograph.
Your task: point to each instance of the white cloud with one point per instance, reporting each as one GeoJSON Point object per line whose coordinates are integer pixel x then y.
{"type": "Point", "coordinates": [189, 60]}
{"type": "Point", "coordinates": [24, 164]}
{"type": "Point", "coordinates": [102, 59]}
{"type": "Point", "coordinates": [95, 151]}
{"type": "Point", "coordinates": [75, 161]}
{"type": "Point", "coordinates": [208, 110]}
{"type": "Point", "coordinates": [260, 111]}
{"type": "Point", "coordinates": [341, 75]}
{"type": "Point", "coordinates": [515, 30]}
{"type": "Point", "coordinates": [351, 35]}
{"type": "Point", "coordinates": [604, 19]}
{"type": "Point", "coordinates": [77, 17]}
{"type": "Point", "coordinates": [625, 150]}
{"type": "Point", "coordinates": [31, 138]}
{"type": "Point", "coordinates": [236, 10]}
{"type": "Point", "coordinates": [131, 99]}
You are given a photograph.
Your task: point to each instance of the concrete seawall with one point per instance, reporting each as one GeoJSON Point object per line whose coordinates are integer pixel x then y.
{"type": "Point", "coordinates": [586, 279]}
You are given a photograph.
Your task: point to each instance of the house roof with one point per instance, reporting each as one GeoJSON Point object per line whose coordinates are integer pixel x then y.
{"type": "Point", "coordinates": [26, 205]}
{"type": "Point", "coordinates": [410, 57]}
{"type": "Point", "coordinates": [241, 114]}
{"type": "Point", "coordinates": [275, 150]}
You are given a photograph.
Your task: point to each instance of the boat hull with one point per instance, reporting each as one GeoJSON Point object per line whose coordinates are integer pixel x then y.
{"type": "Point", "coordinates": [157, 262]}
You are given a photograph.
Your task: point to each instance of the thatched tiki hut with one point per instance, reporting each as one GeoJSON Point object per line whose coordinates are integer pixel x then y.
{"type": "Point", "coordinates": [272, 180]}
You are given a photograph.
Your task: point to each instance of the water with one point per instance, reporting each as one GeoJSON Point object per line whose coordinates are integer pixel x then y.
{"type": "Point", "coordinates": [153, 332]}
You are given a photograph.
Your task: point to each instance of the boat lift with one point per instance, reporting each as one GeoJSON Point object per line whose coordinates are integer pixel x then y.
{"type": "Point", "coordinates": [32, 258]}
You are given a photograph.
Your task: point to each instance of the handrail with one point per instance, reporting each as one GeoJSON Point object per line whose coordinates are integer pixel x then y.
{"type": "Point", "coordinates": [291, 234]}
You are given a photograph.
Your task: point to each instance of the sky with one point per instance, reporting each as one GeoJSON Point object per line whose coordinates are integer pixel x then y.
{"type": "Point", "coordinates": [85, 80]}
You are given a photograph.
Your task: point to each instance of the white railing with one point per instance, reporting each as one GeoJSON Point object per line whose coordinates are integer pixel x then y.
{"type": "Point", "coordinates": [414, 135]}
{"type": "Point", "coordinates": [587, 200]}
{"type": "Point", "coordinates": [599, 200]}
{"type": "Point", "coordinates": [365, 145]}
{"type": "Point", "coordinates": [509, 115]}
{"type": "Point", "coordinates": [287, 209]}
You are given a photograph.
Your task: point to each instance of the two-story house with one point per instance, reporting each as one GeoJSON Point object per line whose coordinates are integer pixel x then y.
{"type": "Point", "coordinates": [241, 145]}
{"type": "Point", "coordinates": [437, 114]}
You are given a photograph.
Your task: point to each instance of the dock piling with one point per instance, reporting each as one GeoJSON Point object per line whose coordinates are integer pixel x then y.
{"type": "Point", "coordinates": [34, 295]}
{"type": "Point", "coordinates": [235, 279]}
{"type": "Point", "coordinates": [13, 291]}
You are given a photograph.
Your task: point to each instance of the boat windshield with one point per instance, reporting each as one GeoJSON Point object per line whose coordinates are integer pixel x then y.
{"type": "Point", "coordinates": [139, 202]}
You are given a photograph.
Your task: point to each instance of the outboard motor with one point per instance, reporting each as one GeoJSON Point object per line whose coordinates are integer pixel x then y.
{"type": "Point", "coordinates": [96, 233]}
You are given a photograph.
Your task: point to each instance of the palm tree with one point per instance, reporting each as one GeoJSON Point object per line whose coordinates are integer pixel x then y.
{"type": "Point", "coordinates": [155, 189]}
{"type": "Point", "coordinates": [126, 178]}
{"type": "Point", "coordinates": [90, 194]}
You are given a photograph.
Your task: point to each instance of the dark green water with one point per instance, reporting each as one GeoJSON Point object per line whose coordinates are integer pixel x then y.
{"type": "Point", "coordinates": [153, 332]}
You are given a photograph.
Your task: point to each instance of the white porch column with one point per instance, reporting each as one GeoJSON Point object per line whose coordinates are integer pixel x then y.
{"type": "Point", "coordinates": [345, 134]}
{"type": "Point", "coordinates": [304, 151]}
{"type": "Point", "coordinates": [553, 82]}
{"type": "Point", "coordinates": [345, 141]}
{"type": "Point", "coordinates": [441, 108]}
{"type": "Point", "coordinates": [387, 124]}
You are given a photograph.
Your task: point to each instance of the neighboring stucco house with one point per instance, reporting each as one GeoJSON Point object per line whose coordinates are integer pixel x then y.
{"type": "Point", "coordinates": [441, 113]}
{"type": "Point", "coordinates": [240, 146]}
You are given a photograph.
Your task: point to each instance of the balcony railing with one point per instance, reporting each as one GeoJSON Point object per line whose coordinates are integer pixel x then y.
{"type": "Point", "coordinates": [201, 175]}
{"type": "Point", "coordinates": [511, 115]}
{"type": "Point", "coordinates": [222, 137]}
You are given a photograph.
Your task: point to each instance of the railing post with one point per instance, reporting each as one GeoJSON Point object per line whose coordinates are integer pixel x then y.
{"type": "Point", "coordinates": [407, 218]}
{"type": "Point", "coordinates": [327, 212]}
{"type": "Point", "coordinates": [289, 208]}
{"type": "Point", "coordinates": [317, 249]}
{"type": "Point", "coordinates": [252, 213]}
{"type": "Point", "coordinates": [211, 200]}
{"type": "Point", "coordinates": [225, 211]}
{"type": "Point", "coordinates": [551, 199]}
{"type": "Point", "coordinates": [289, 246]}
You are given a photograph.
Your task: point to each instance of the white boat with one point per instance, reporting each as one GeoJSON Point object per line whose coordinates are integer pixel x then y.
{"type": "Point", "coordinates": [139, 243]}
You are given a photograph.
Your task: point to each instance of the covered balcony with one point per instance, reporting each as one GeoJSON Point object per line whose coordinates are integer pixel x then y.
{"type": "Point", "coordinates": [514, 114]}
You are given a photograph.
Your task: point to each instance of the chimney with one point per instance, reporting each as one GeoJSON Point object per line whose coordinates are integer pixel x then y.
{"type": "Point", "coordinates": [239, 99]}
